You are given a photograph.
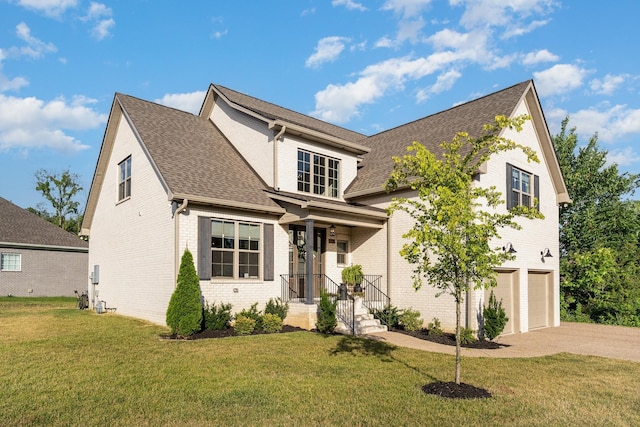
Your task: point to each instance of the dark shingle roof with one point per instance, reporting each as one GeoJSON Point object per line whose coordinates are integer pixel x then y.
{"type": "Point", "coordinates": [273, 112]}
{"type": "Point", "coordinates": [431, 131]}
{"type": "Point", "coordinates": [193, 156]}
{"type": "Point", "coordinates": [20, 226]}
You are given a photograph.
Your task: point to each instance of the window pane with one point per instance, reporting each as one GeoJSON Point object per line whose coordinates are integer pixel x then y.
{"type": "Point", "coordinates": [216, 228]}
{"type": "Point", "coordinates": [525, 183]}
{"type": "Point", "coordinates": [10, 262]}
{"type": "Point", "coordinates": [515, 179]}
{"type": "Point", "coordinates": [229, 229]}
{"type": "Point", "coordinates": [526, 200]}
{"type": "Point", "coordinates": [254, 245]}
{"type": "Point", "coordinates": [229, 243]}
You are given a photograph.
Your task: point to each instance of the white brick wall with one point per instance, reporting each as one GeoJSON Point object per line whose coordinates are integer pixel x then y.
{"type": "Point", "coordinates": [132, 241]}
{"type": "Point", "coordinates": [240, 293]}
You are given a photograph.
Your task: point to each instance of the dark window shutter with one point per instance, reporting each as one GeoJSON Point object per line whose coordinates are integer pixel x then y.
{"type": "Point", "coordinates": [536, 189]}
{"type": "Point", "coordinates": [268, 253]}
{"type": "Point", "coordinates": [510, 201]}
{"type": "Point", "coordinates": [204, 248]}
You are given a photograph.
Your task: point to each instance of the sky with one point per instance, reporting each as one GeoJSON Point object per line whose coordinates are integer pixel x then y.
{"type": "Point", "coordinates": [364, 65]}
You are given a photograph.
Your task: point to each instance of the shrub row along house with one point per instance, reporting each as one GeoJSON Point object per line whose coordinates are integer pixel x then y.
{"type": "Point", "coordinates": [37, 258]}
{"type": "Point", "coordinates": [274, 203]}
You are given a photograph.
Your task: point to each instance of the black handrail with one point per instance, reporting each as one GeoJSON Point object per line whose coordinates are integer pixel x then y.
{"type": "Point", "coordinates": [374, 298]}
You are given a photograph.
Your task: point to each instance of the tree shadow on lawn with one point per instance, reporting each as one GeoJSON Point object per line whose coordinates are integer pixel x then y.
{"type": "Point", "coordinates": [384, 351]}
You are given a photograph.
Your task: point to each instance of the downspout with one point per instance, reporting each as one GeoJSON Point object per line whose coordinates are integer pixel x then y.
{"type": "Point", "coordinates": [283, 129]}
{"type": "Point", "coordinates": [176, 222]}
{"type": "Point", "coordinates": [389, 260]}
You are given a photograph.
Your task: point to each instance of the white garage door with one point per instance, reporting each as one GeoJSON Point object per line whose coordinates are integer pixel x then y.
{"type": "Point", "coordinates": [507, 291]}
{"type": "Point", "coordinates": [539, 300]}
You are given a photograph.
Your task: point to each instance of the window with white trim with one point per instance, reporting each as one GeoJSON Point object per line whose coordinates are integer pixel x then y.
{"type": "Point", "coordinates": [10, 262]}
{"type": "Point", "coordinates": [124, 179]}
{"type": "Point", "coordinates": [235, 249]}
{"type": "Point", "coordinates": [318, 174]}
{"type": "Point", "coordinates": [342, 249]}
{"type": "Point", "coordinates": [522, 188]}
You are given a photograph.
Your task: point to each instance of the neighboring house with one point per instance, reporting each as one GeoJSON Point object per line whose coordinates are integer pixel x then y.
{"type": "Point", "coordinates": [37, 258]}
{"type": "Point", "coordinates": [251, 189]}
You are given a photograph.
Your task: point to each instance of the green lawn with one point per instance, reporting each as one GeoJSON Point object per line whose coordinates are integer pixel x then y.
{"type": "Point", "coordinates": [63, 366]}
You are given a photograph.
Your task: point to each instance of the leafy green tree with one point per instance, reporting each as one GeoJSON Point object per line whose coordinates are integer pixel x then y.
{"type": "Point", "coordinates": [454, 219]}
{"type": "Point", "coordinates": [184, 314]}
{"type": "Point", "coordinates": [599, 235]}
{"type": "Point", "coordinates": [61, 191]}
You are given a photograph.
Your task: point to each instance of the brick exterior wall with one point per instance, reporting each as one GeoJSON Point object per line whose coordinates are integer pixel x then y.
{"type": "Point", "coordinates": [45, 273]}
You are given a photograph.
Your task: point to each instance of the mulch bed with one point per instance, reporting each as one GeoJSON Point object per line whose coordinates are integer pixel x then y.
{"type": "Point", "coordinates": [450, 339]}
{"type": "Point", "coordinates": [223, 333]}
{"type": "Point", "coordinates": [451, 390]}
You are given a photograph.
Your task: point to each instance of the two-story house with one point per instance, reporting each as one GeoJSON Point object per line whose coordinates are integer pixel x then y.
{"type": "Point", "coordinates": [273, 203]}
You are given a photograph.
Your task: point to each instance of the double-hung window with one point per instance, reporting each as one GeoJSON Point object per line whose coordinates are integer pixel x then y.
{"type": "Point", "coordinates": [124, 179]}
{"type": "Point", "coordinates": [318, 174]}
{"type": "Point", "coordinates": [522, 188]}
{"type": "Point", "coordinates": [235, 249]}
{"type": "Point", "coordinates": [10, 262]}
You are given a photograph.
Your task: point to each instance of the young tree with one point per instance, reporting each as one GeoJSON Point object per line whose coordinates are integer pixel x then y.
{"type": "Point", "coordinates": [455, 219]}
{"type": "Point", "coordinates": [60, 190]}
{"type": "Point", "coordinates": [184, 314]}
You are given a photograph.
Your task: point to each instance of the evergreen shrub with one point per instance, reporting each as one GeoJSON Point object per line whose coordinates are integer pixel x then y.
{"type": "Point", "coordinates": [277, 307]}
{"type": "Point", "coordinates": [410, 320]}
{"type": "Point", "coordinates": [271, 323]}
{"type": "Point", "coordinates": [495, 318]}
{"type": "Point", "coordinates": [327, 320]}
{"type": "Point", "coordinates": [184, 314]}
{"type": "Point", "coordinates": [244, 325]}
{"type": "Point", "coordinates": [217, 317]}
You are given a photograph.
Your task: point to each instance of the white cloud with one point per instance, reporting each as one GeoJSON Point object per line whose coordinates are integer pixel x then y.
{"type": "Point", "coordinates": [611, 123]}
{"type": "Point", "coordinates": [445, 81]}
{"type": "Point", "coordinates": [30, 123]}
{"type": "Point", "coordinates": [327, 50]}
{"type": "Point", "coordinates": [53, 8]}
{"type": "Point", "coordinates": [349, 4]}
{"type": "Point", "coordinates": [609, 84]}
{"type": "Point", "coordinates": [623, 157]}
{"type": "Point", "coordinates": [559, 79]}
{"type": "Point", "coordinates": [500, 13]}
{"type": "Point", "coordinates": [103, 28]}
{"type": "Point", "coordinates": [35, 48]}
{"type": "Point", "coordinates": [539, 56]}
{"type": "Point", "coordinates": [406, 8]}
{"type": "Point", "coordinates": [100, 16]}
{"type": "Point", "coordinates": [97, 11]}
{"type": "Point", "coordinates": [190, 102]}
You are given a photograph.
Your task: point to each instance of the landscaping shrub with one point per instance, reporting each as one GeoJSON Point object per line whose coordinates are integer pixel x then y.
{"type": "Point", "coordinates": [244, 325]}
{"type": "Point", "coordinates": [216, 317]}
{"type": "Point", "coordinates": [435, 328]}
{"type": "Point", "coordinates": [184, 314]}
{"type": "Point", "coordinates": [327, 320]}
{"type": "Point", "coordinates": [495, 318]}
{"type": "Point", "coordinates": [410, 320]}
{"type": "Point", "coordinates": [277, 307]}
{"type": "Point", "coordinates": [467, 336]}
{"type": "Point", "coordinates": [271, 323]}
{"type": "Point", "coordinates": [388, 315]}
{"type": "Point", "coordinates": [254, 314]}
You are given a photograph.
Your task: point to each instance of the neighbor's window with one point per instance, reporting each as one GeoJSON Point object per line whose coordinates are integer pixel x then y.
{"type": "Point", "coordinates": [522, 187]}
{"type": "Point", "coordinates": [318, 174]}
{"type": "Point", "coordinates": [235, 249]}
{"type": "Point", "coordinates": [10, 262]}
{"type": "Point", "coordinates": [124, 181]}
{"type": "Point", "coordinates": [342, 250]}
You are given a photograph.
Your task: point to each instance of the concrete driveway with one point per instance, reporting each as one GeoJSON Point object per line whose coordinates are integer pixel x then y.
{"type": "Point", "coordinates": [616, 342]}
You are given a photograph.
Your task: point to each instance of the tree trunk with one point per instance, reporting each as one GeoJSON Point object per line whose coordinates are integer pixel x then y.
{"type": "Point", "coordinates": [458, 302]}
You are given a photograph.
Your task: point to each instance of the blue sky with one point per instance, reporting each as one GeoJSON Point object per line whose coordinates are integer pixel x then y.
{"type": "Point", "coordinates": [365, 65]}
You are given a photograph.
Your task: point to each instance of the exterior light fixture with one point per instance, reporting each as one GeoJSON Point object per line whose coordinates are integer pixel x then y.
{"type": "Point", "coordinates": [546, 253]}
{"type": "Point", "coordinates": [332, 230]}
{"type": "Point", "coordinates": [509, 248]}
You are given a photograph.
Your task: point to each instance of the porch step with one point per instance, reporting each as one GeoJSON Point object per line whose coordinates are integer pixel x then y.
{"type": "Point", "coordinates": [364, 323]}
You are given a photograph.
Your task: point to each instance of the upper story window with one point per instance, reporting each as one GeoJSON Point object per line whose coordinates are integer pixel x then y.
{"type": "Point", "coordinates": [522, 187]}
{"type": "Point", "coordinates": [124, 179]}
{"type": "Point", "coordinates": [318, 174]}
{"type": "Point", "coordinates": [10, 262]}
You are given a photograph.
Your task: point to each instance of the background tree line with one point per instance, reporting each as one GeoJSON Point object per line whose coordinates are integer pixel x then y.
{"type": "Point", "coordinates": [599, 235]}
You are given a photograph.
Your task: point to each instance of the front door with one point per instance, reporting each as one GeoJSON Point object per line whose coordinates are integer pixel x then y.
{"type": "Point", "coordinates": [298, 257]}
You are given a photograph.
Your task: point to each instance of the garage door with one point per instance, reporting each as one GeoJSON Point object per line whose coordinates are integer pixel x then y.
{"type": "Point", "coordinates": [508, 292]}
{"type": "Point", "coordinates": [539, 300]}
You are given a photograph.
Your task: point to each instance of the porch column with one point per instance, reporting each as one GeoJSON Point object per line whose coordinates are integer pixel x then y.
{"type": "Point", "coordinates": [309, 261]}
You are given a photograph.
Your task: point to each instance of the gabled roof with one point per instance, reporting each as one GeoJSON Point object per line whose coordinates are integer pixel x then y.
{"type": "Point", "coordinates": [192, 157]}
{"type": "Point", "coordinates": [430, 131]}
{"type": "Point", "coordinates": [278, 117]}
{"type": "Point", "coordinates": [21, 228]}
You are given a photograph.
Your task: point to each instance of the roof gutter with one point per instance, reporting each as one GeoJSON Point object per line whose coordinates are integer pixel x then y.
{"type": "Point", "coordinates": [321, 137]}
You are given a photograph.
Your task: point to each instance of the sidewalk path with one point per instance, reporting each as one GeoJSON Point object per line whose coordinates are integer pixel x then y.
{"type": "Point", "coordinates": [616, 342]}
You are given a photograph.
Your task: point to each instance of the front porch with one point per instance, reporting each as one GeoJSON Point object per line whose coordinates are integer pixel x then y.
{"type": "Point", "coordinates": [353, 316]}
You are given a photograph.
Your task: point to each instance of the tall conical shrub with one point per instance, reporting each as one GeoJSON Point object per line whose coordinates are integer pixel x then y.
{"type": "Point", "coordinates": [184, 314]}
